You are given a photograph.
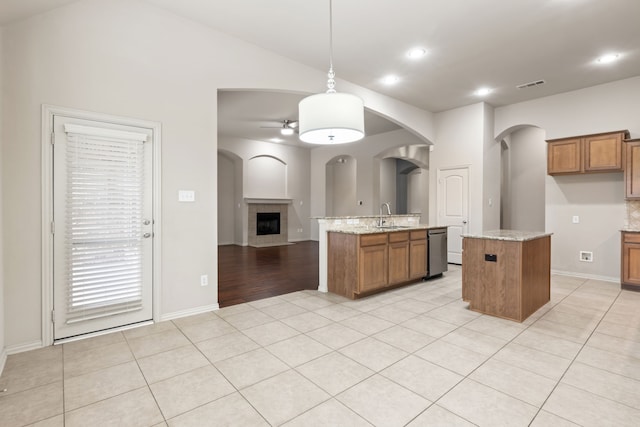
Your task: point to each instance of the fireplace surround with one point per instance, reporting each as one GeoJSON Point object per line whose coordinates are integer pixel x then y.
{"type": "Point", "coordinates": [267, 236]}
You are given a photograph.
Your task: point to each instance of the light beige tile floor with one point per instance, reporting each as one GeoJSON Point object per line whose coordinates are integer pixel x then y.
{"type": "Point", "coordinates": [414, 356]}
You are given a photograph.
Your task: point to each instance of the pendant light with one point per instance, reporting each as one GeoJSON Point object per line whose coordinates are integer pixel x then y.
{"type": "Point", "coordinates": [331, 117]}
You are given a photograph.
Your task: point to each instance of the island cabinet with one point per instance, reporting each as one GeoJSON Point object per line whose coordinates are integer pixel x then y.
{"type": "Point", "coordinates": [373, 262]}
{"type": "Point", "coordinates": [630, 277]}
{"type": "Point", "coordinates": [398, 257]}
{"type": "Point", "coordinates": [361, 264]}
{"type": "Point", "coordinates": [587, 153]}
{"type": "Point", "coordinates": [506, 274]}
{"type": "Point", "coordinates": [632, 169]}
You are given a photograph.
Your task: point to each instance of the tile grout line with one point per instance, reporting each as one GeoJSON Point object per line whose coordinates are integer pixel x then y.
{"type": "Point", "coordinates": [576, 355]}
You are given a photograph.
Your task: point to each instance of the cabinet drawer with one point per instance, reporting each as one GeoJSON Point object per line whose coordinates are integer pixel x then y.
{"type": "Point", "coordinates": [398, 236]}
{"type": "Point", "coordinates": [373, 239]}
{"type": "Point", "coordinates": [418, 234]}
{"type": "Point", "coordinates": [631, 237]}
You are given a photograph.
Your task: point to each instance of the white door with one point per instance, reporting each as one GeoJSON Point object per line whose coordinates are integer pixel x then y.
{"type": "Point", "coordinates": [453, 207]}
{"type": "Point", "coordinates": [103, 226]}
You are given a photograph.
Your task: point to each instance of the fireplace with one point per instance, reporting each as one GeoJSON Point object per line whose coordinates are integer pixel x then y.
{"type": "Point", "coordinates": [267, 223]}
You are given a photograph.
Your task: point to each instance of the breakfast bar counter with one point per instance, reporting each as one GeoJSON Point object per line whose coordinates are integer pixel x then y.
{"type": "Point", "coordinates": [506, 273]}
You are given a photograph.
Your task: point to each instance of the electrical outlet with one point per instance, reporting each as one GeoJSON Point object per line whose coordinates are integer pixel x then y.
{"type": "Point", "coordinates": [586, 256]}
{"type": "Point", "coordinates": [204, 280]}
{"type": "Point", "coordinates": [575, 219]}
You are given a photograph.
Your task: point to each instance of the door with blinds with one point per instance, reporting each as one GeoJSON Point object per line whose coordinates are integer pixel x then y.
{"type": "Point", "coordinates": [102, 226]}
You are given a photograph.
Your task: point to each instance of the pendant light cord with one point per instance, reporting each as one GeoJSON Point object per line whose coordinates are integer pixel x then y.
{"type": "Point", "coordinates": [331, 82]}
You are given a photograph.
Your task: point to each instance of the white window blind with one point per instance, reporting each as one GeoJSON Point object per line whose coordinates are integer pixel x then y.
{"type": "Point", "coordinates": [103, 230]}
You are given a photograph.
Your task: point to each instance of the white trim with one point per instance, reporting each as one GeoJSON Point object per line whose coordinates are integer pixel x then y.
{"type": "Point", "coordinates": [586, 276]}
{"type": "Point", "coordinates": [3, 359]}
{"type": "Point", "coordinates": [103, 332]}
{"type": "Point", "coordinates": [267, 201]}
{"type": "Point", "coordinates": [105, 133]}
{"type": "Point", "coordinates": [48, 111]}
{"type": "Point", "coordinates": [20, 348]}
{"type": "Point", "coordinates": [189, 312]}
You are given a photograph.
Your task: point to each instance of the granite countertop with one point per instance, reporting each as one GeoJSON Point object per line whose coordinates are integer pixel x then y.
{"type": "Point", "coordinates": [360, 229]}
{"type": "Point", "coordinates": [363, 216]}
{"type": "Point", "coordinates": [512, 235]}
{"type": "Point", "coordinates": [630, 230]}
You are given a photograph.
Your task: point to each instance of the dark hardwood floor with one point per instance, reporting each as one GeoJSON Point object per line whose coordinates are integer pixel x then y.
{"type": "Point", "coordinates": [247, 274]}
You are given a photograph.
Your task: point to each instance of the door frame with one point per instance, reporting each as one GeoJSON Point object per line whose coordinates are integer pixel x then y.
{"type": "Point", "coordinates": [48, 112]}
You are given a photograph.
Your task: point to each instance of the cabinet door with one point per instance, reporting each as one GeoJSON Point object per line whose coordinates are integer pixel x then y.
{"type": "Point", "coordinates": [631, 259]}
{"type": "Point", "coordinates": [632, 170]}
{"type": "Point", "coordinates": [373, 267]}
{"type": "Point", "coordinates": [418, 258]}
{"type": "Point", "coordinates": [603, 153]}
{"type": "Point", "coordinates": [564, 156]}
{"type": "Point", "coordinates": [398, 262]}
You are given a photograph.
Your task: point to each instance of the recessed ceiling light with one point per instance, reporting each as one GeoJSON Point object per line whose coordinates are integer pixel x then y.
{"type": "Point", "coordinates": [483, 91]}
{"type": "Point", "coordinates": [416, 52]}
{"type": "Point", "coordinates": [390, 80]}
{"type": "Point", "coordinates": [276, 140]}
{"type": "Point", "coordinates": [608, 58]}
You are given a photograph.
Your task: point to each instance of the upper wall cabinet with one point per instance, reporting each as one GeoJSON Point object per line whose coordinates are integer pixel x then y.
{"type": "Point", "coordinates": [601, 152]}
{"type": "Point", "coordinates": [632, 169]}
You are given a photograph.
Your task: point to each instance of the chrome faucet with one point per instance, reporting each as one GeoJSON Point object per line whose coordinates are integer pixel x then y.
{"type": "Point", "coordinates": [380, 220]}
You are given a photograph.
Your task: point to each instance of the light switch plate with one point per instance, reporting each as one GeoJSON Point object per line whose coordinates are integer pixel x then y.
{"type": "Point", "coordinates": [186, 196]}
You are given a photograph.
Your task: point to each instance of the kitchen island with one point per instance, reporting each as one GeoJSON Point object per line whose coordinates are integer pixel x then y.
{"type": "Point", "coordinates": [367, 259]}
{"type": "Point", "coordinates": [506, 273]}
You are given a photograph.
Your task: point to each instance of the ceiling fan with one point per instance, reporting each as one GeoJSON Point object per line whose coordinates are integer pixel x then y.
{"type": "Point", "coordinates": [288, 127]}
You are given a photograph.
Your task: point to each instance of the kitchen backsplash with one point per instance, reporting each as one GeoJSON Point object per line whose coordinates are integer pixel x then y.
{"type": "Point", "coordinates": [633, 215]}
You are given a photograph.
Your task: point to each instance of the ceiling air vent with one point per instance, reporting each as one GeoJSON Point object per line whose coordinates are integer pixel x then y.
{"type": "Point", "coordinates": [530, 84]}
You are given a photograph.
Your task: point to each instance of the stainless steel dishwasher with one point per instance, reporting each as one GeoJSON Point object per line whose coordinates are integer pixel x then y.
{"type": "Point", "coordinates": [437, 252]}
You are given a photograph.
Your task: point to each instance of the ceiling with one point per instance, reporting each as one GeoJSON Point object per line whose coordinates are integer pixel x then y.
{"type": "Point", "coordinates": [470, 44]}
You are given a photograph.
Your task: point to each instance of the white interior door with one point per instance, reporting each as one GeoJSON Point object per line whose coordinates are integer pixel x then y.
{"type": "Point", "coordinates": [103, 226]}
{"type": "Point", "coordinates": [453, 208]}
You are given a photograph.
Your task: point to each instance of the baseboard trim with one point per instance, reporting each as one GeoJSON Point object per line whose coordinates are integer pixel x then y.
{"type": "Point", "coordinates": [19, 348]}
{"type": "Point", "coordinates": [189, 312]}
{"type": "Point", "coordinates": [3, 359]}
{"type": "Point", "coordinates": [586, 276]}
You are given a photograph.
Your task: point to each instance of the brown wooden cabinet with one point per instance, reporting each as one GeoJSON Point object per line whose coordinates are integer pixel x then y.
{"type": "Point", "coordinates": [418, 252]}
{"type": "Point", "coordinates": [630, 277]}
{"type": "Point", "coordinates": [360, 264]}
{"type": "Point", "coordinates": [601, 152]}
{"type": "Point", "coordinates": [632, 169]}
{"type": "Point", "coordinates": [373, 262]}
{"type": "Point", "coordinates": [503, 278]}
{"type": "Point", "coordinates": [398, 257]}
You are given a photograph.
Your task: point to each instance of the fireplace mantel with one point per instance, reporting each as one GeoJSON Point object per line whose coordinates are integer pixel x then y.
{"type": "Point", "coordinates": [267, 201]}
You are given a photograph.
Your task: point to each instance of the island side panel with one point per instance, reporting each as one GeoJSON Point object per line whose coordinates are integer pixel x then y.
{"type": "Point", "coordinates": [492, 287]}
{"type": "Point", "coordinates": [342, 263]}
{"type": "Point", "coordinates": [536, 275]}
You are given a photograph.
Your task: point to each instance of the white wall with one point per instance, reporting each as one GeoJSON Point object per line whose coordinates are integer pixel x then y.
{"type": "Point", "coordinates": [598, 199]}
{"type": "Point", "coordinates": [226, 200]}
{"type": "Point", "coordinates": [128, 58]}
{"type": "Point", "coordinates": [527, 178]}
{"type": "Point", "coordinates": [459, 141]}
{"type": "Point", "coordinates": [368, 171]}
{"type": "Point", "coordinates": [388, 183]}
{"type": "Point", "coordinates": [2, 322]}
{"type": "Point", "coordinates": [266, 177]}
{"type": "Point", "coordinates": [297, 161]}
{"type": "Point", "coordinates": [490, 173]}
{"type": "Point", "coordinates": [342, 193]}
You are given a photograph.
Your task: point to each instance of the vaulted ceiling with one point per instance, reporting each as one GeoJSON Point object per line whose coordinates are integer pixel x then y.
{"type": "Point", "coordinates": [498, 44]}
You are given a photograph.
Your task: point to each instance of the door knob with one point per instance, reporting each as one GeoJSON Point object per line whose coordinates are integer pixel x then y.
{"type": "Point", "coordinates": [464, 221]}
{"type": "Point", "coordinates": [146, 235]}
{"type": "Point", "coordinates": [146, 222]}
